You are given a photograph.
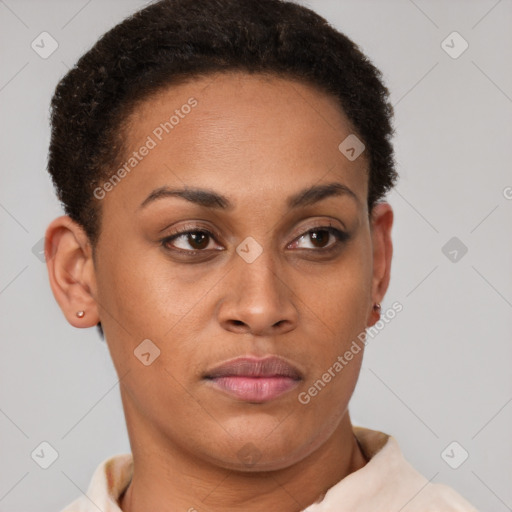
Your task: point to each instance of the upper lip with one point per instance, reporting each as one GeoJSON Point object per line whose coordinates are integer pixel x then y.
{"type": "Point", "coordinates": [271, 366]}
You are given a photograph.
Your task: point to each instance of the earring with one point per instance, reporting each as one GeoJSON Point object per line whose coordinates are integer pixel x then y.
{"type": "Point", "coordinates": [80, 314]}
{"type": "Point", "coordinates": [377, 307]}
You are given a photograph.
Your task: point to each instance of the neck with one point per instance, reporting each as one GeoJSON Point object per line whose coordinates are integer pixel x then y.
{"type": "Point", "coordinates": [167, 479]}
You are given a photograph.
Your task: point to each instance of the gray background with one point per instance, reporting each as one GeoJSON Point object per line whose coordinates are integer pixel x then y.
{"type": "Point", "coordinates": [438, 373]}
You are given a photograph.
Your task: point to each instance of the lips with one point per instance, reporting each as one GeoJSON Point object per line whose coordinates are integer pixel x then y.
{"type": "Point", "coordinates": [253, 367]}
{"type": "Point", "coordinates": [254, 379]}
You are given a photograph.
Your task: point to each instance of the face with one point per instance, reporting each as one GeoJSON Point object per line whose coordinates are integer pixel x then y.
{"type": "Point", "coordinates": [266, 269]}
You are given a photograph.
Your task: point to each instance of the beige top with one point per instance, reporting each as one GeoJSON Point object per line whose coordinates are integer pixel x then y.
{"type": "Point", "coordinates": [387, 483]}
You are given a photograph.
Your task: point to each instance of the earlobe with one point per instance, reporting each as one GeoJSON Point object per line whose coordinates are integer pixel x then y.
{"type": "Point", "coordinates": [71, 271]}
{"type": "Point", "coordinates": [381, 225]}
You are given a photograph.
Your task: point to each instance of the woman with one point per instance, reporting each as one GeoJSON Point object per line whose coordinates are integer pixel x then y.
{"type": "Point", "coordinates": [222, 165]}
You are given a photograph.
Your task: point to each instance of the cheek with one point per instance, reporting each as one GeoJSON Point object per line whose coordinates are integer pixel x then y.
{"type": "Point", "coordinates": [339, 306]}
{"type": "Point", "coordinates": [339, 296]}
{"type": "Point", "coordinates": [145, 297]}
{"type": "Point", "coordinates": [327, 394]}
{"type": "Point", "coordinates": [144, 292]}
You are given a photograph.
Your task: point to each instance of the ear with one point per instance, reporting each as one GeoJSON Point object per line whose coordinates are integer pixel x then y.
{"type": "Point", "coordinates": [70, 265]}
{"type": "Point", "coordinates": [380, 227]}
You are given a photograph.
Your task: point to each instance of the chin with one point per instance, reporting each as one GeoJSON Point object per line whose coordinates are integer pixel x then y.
{"type": "Point", "coordinates": [259, 452]}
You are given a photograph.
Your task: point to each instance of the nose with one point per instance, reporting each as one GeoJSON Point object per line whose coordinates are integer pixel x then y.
{"type": "Point", "coordinates": [258, 298]}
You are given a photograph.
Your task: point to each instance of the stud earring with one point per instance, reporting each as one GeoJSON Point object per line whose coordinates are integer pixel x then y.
{"type": "Point", "coordinates": [80, 314]}
{"type": "Point", "coordinates": [377, 307]}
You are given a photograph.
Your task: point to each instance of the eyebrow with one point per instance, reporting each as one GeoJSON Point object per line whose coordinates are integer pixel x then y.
{"type": "Point", "coordinates": [210, 199]}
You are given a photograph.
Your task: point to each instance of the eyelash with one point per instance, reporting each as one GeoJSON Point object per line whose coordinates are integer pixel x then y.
{"type": "Point", "coordinates": [341, 237]}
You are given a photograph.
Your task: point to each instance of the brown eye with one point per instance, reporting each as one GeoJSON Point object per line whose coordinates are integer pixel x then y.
{"type": "Point", "coordinates": [319, 237]}
{"type": "Point", "coordinates": [188, 241]}
{"type": "Point", "coordinates": [198, 239]}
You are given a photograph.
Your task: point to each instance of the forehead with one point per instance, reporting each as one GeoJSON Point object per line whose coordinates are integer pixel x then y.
{"type": "Point", "coordinates": [242, 133]}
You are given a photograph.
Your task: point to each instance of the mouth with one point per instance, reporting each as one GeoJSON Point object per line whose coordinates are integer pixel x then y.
{"type": "Point", "coordinates": [255, 380]}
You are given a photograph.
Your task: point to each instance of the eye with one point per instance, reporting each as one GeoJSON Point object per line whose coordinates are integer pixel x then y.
{"type": "Point", "coordinates": [197, 241]}
{"type": "Point", "coordinates": [320, 236]}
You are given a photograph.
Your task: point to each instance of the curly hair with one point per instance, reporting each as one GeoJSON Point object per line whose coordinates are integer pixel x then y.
{"type": "Point", "coordinates": [172, 41]}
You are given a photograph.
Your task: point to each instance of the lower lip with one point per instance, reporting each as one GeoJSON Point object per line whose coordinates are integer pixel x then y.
{"type": "Point", "coordinates": [255, 389]}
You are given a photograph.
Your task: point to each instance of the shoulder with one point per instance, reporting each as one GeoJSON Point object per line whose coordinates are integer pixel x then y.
{"type": "Point", "coordinates": [400, 483]}
{"type": "Point", "coordinates": [108, 481]}
{"type": "Point", "coordinates": [388, 482]}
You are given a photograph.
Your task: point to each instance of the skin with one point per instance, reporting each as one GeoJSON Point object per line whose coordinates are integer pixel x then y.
{"type": "Point", "coordinates": [257, 140]}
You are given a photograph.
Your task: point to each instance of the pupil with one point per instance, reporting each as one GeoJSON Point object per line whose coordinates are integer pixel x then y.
{"type": "Point", "coordinates": [198, 240]}
{"type": "Point", "coordinates": [315, 237]}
